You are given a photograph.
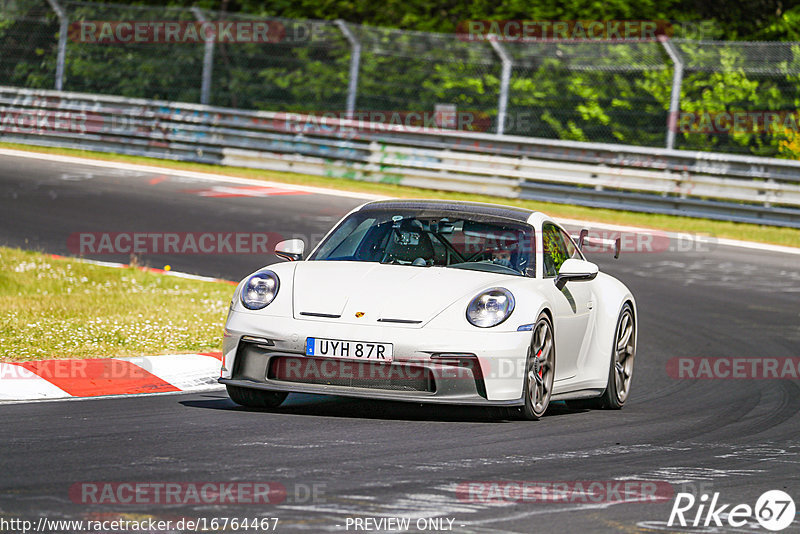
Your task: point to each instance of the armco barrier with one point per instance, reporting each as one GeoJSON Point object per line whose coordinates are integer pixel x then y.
{"type": "Point", "coordinates": [712, 185]}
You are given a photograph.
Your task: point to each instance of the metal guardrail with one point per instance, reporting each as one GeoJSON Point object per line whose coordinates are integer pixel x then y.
{"type": "Point", "coordinates": [702, 184]}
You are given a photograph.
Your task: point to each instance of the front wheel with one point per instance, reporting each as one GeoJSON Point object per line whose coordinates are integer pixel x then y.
{"type": "Point", "coordinates": [255, 398]}
{"type": "Point", "coordinates": [539, 370]}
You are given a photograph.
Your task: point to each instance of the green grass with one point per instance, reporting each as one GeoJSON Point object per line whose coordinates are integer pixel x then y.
{"type": "Point", "coordinates": [62, 308]}
{"type": "Point", "coordinates": [719, 229]}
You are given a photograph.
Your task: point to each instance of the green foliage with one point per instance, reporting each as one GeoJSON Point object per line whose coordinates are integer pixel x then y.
{"type": "Point", "coordinates": [785, 28]}
{"type": "Point", "coordinates": [586, 92]}
{"type": "Point", "coordinates": [727, 19]}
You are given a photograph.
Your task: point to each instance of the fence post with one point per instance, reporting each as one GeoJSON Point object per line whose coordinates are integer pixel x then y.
{"type": "Point", "coordinates": [208, 60]}
{"type": "Point", "coordinates": [355, 62]}
{"type": "Point", "coordinates": [675, 97]}
{"type": "Point", "coordinates": [505, 78]}
{"type": "Point", "coordinates": [63, 29]}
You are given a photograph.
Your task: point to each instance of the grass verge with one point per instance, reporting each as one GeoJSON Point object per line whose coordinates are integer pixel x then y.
{"type": "Point", "coordinates": [719, 229]}
{"type": "Point", "coordinates": [62, 308]}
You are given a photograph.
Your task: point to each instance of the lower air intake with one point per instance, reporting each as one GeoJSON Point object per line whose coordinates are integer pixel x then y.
{"type": "Point", "coordinates": [350, 373]}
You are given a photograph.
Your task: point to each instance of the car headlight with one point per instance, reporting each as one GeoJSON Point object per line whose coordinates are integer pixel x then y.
{"type": "Point", "coordinates": [491, 307]}
{"type": "Point", "coordinates": [259, 290]}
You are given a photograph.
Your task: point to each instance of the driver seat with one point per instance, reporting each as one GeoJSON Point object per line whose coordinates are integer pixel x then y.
{"type": "Point", "coordinates": [409, 242]}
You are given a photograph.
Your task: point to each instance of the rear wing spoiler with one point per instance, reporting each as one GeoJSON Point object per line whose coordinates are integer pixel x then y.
{"type": "Point", "coordinates": [584, 237]}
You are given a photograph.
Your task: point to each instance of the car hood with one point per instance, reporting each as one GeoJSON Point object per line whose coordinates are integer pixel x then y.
{"type": "Point", "coordinates": [391, 294]}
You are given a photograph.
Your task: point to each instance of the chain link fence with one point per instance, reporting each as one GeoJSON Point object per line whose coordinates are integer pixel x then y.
{"type": "Point", "coordinates": [554, 91]}
{"type": "Point", "coordinates": [28, 44]}
{"type": "Point", "coordinates": [757, 78]}
{"type": "Point", "coordinates": [678, 93]}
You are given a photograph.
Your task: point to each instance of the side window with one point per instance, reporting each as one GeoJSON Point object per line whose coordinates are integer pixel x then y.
{"type": "Point", "coordinates": [555, 250]}
{"type": "Point", "coordinates": [572, 250]}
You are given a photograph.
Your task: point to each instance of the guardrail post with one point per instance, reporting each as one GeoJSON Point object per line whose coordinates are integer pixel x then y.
{"type": "Point", "coordinates": [208, 60]}
{"type": "Point", "coordinates": [63, 29]}
{"type": "Point", "coordinates": [355, 63]}
{"type": "Point", "coordinates": [505, 78]}
{"type": "Point", "coordinates": [675, 97]}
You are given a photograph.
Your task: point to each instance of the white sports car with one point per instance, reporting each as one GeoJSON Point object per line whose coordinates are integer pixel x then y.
{"type": "Point", "coordinates": [434, 301]}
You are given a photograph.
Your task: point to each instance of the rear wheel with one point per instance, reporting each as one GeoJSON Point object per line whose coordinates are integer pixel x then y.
{"type": "Point", "coordinates": [255, 398]}
{"type": "Point", "coordinates": [539, 370]}
{"type": "Point", "coordinates": [621, 372]}
{"type": "Point", "coordinates": [621, 368]}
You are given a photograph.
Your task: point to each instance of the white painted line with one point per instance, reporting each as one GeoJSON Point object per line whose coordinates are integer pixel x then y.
{"type": "Point", "coordinates": [113, 264]}
{"type": "Point", "coordinates": [209, 177]}
{"type": "Point", "coordinates": [350, 194]}
{"type": "Point", "coordinates": [153, 270]}
{"type": "Point", "coordinates": [188, 276]}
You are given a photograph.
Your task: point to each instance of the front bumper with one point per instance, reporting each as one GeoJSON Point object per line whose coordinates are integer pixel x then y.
{"type": "Point", "coordinates": [430, 365]}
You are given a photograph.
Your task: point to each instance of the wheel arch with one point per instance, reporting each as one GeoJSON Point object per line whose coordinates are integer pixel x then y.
{"type": "Point", "coordinates": [635, 314]}
{"type": "Point", "coordinates": [546, 310]}
{"type": "Point", "coordinates": [612, 296]}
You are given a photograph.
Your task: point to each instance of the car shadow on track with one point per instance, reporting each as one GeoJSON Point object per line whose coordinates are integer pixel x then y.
{"type": "Point", "coordinates": [331, 406]}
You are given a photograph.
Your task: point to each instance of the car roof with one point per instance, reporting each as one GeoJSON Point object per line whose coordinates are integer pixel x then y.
{"type": "Point", "coordinates": [460, 206]}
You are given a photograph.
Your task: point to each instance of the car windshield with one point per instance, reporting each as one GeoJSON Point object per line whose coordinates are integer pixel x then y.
{"type": "Point", "coordinates": [432, 238]}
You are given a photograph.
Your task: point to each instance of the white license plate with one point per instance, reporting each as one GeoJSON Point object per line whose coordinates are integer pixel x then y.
{"type": "Point", "coordinates": [351, 350]}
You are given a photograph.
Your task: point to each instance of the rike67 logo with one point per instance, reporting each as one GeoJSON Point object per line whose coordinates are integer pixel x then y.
{"type": "Point", "coordinates": [774, 510]}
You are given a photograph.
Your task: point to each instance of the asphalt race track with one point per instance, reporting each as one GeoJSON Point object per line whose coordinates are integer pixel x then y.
{"type": "Point", "coordinates": [738, 437]}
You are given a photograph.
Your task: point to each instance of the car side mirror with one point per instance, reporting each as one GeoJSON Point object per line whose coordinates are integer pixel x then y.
{"type": "Point", "coordinates": [291, 249]}
{"type": "Point", "coordinates": [575, 270]}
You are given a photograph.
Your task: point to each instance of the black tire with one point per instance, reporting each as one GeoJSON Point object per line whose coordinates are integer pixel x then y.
{"type": "Point", "coordinates": [255, 398]}
{"type": "Point", "coordinates": [620, 370]}
{"type": "Point", "coordinates": [540, 367]}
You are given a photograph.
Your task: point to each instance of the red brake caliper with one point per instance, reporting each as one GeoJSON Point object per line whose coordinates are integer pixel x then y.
{"type": "Point", "coordinates": [541, 371]}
